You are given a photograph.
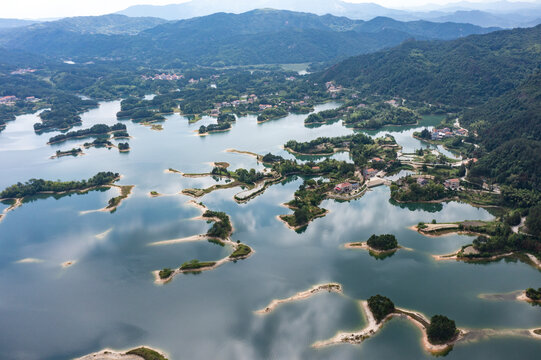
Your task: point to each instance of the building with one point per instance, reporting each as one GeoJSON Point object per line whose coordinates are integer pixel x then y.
{"type": "Point", "coordinates": [422, 181]}
{"type": "Point", "coordinates": [452, 184]}
{"type": "Point", "coordinates": [377, 160]}
{"type": "Point", "coordinates": [343, 188]}
{"type": "Point", "coordinates": [369, 173]}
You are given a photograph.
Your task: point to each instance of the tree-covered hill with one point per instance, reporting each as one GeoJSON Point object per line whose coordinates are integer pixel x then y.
{"type": "Point", "coordinates": [255, 37]}
{"type": "Point", "coordinates": [465, 71]}
{"type": "Point", "coordinates": [516, 114]}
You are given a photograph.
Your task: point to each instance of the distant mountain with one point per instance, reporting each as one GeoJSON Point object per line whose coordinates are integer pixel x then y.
{"type": "Point", "coordinates": [466, 71]}
{"type": "Point", "coordinates": [500, 14]}
{"type": "Point", "coordinates": [106, 24]}
{"type": "Point", "coordinates": [14, 23]}
{"type": "Point", "coordinates": [486, 19]}
{"type": "Point", "coordinates": [255, 37]}
{"type": "Point", "coordinates": [197, 8]}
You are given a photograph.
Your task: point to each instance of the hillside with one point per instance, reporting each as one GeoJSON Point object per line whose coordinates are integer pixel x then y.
{"type": "Point", "coordinates": [465, 71]}
{"type": "Point", "coordinates": [516, 114]}
{"type": "Point", "coordinates": [256, 37]}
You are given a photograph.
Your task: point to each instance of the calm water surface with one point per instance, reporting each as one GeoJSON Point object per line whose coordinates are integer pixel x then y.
{"type": "Point", "coordinates": [108, 298]}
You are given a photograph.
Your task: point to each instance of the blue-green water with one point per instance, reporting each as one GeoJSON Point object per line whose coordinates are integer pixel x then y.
{"type": "Point", "coordinates": [108, 298]}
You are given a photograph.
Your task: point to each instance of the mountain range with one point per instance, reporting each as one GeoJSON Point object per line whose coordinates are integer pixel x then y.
{"type": "Point", "coordinates": [255, 37]}
{"type": "Point", "coordinates": [500, 14]}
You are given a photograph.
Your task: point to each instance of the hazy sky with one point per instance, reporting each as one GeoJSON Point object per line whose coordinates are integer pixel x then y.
{"type": "Point", "coordinates": [61, 8]}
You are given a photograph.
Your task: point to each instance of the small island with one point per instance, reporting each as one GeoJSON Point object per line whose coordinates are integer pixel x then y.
{"type": "Point", "coordinates": [73, 152]}
{"type": "Point", "coordinates": [143, 353]}
{"type": "Point", "coordinates": [377, 244]}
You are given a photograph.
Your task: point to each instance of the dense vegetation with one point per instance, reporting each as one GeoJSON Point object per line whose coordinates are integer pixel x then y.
{"type": "Point", "coordinates": [515, 115]}
{"type": "Point", "coordinates": [272, 113]}
{"type": "Point", "coordinates": [380, 306]}
{"type": "Point", "coordinates": [196, 265]}
{"type": "Point", "coordinates": [165, 273]}
{"type": "Point", "coordinates": [224, 123]}
{"type": "Point", "coordinates": [441, 329]}
{"type": "Point", "coordinates": [514, 163]}
{"type": "Point", "coordinates": [533, 294]}
{"type": "Point", "coordinates": [220, 229]}
{"type": "Point", "coordinates": [146, 354]}
{"type": "Point", "coordinates": [383, 242]}
{"type": "Point", "coordinates": [64, 113]}
{"type": "Point", "coordinates": [381, 114]}
{"type": "Point", "coordinates": [37, 186]}
{"type": "Point", "coordinates": [410, 191]}
{"type": "Point", "coordinates": [241, 251]}
{"type": "Point", "coordinates": [325, 145]}
{"type": "Point", "coordinates": [322, 117]}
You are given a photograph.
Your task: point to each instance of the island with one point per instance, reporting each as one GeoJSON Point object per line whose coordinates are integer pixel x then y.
{"type": "Point", "coordinates": [73, 152]}
{"type": "Point", "coordinates": [529, 295]}
{"type": "Point", "coordinates": [439, 333]}
{"type": "Point", "coordinates": [20, 192]}
{"type": "Point", "coordinates": [495, 240]}
{"type": "Point", "coordinates": [219, 233]}
{"type": "Point", "coordinates": [142, 353]}
{"type": "Point", "coordinates": [378, 245]}
{"type": "Point", "coordinates": [98, 130]}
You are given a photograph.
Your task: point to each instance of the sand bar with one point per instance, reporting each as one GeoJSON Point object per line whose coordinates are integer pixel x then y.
{"type": "Point", "coordinates": [330, 287]}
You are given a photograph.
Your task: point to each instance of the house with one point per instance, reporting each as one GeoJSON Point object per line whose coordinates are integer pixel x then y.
{"type": "Point", "coordinates": [316, 168]}
{"type": "Point", "coordinates": [452, 184]}
{"type": "Point", "coordinates": [422, 181]}
{"type": "Point", "coordinates": [264, 106]}
{"type": "Point", "coordinates": [355, 186]}
{"type": "Point", "coordinates": [369, 173]}
{"type": "Point", "coordinates": [377, 160]}
{"type": "Point", "coordinates": [343, 188]}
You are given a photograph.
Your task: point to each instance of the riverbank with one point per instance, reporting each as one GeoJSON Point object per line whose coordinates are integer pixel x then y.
{"type": "Point", "coordinates": [330, 287]}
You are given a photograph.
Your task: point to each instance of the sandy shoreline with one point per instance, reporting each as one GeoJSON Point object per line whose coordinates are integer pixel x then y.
{"type": "Point", "coordinates": [200, 237]}
{"type": "Point", "coordinates": [18, 202]}
{"type": "Point", "coordinates": [330, 287]}
{"type": "Point", "coordinates": [111, 209]}
{"type": "Point", "coordinates": [372, 327]}
{"type": "Point", "coordinates": [249, 153]}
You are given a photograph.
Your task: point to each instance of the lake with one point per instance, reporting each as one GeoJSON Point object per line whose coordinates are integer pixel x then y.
{"type": "Point", "coordinates": [108, 297]}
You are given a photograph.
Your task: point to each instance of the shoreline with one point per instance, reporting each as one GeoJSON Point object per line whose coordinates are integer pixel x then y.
{"type": "Point", "coordinates": [201, 237]}
{"type": "Point", "coordinates": [295, 228]}
{"type": "Point", "coordinates": [335, 151]}
{"type": "Point", "coordinates": [372, 327]}
{"type": "Point", "coordinates": [241, 152]}
{"type": "Point", "coordinates": [316, 289]}
{"type": "Point", "coordinates": [365, 246]}
{"type": "Point", "coordinates": [123, 197]}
